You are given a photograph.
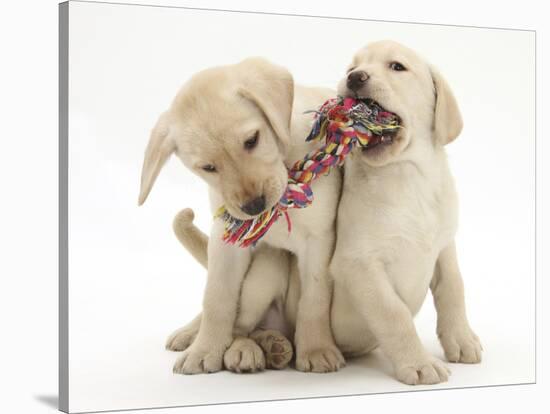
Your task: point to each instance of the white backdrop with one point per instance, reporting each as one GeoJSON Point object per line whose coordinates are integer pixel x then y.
{"type": "Point", "coordinates": [28, 219]}
{"type": "Point", "coordinates": [131, 283]}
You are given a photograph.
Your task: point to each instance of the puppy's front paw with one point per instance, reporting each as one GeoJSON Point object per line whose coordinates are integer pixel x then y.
{"type": "Point", "coordinates": [244, 355]}
{"type": "Point", "coordinates": [198, 360]}
{"type": "Point", "coordinates": [326, 359]}
{"type": "Point", "coordinates": [461, 344]}
{"type": "Point", "coordinates": [181, 339]}
{"type": "Point", "coordinates": [427, 370]}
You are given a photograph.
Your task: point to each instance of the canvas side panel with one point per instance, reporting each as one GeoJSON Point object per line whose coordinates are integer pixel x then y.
{"type": "Point", "coordinates": [63, 206]}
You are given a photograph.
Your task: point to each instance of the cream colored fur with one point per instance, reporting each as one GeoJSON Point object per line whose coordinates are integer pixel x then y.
{"type": "Point", "coordinates": [207, 125]}
{"type": "Point", "coordinates": [403, 242]}
{"type": "Point", "coordinates": [397, 221]}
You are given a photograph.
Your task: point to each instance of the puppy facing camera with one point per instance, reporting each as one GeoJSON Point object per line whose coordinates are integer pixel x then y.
{"type": "Point", "coordinates": [383, 264]}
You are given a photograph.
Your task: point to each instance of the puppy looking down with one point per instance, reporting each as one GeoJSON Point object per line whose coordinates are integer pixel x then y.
{"type": "Point", "coordinates": [396, 224]}
{"type": "Point", "coordinates": [239, 127]}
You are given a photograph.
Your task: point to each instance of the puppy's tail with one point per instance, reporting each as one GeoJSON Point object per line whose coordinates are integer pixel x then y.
{"type": "Point", "coordinates": [191, 237]}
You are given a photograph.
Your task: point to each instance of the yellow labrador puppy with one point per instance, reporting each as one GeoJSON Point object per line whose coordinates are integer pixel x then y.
{"type": "Point", "coordinates": [396, 224]}
{"type": "Point", "coordinates": [239, 127]}
{"type": "Point", "coordinates": [397, 221]}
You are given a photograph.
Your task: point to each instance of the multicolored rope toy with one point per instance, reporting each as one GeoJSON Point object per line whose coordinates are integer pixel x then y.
{"type": "Point", "coordinates": [344, 122]}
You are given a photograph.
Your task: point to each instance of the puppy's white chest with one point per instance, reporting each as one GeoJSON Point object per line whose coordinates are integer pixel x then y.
{"type": "Point", "coordinates": [408, 245]}
{"type": "Point", "coordinates": [284, 234]}
{"type": "Point", "coordinates": [401, 220]}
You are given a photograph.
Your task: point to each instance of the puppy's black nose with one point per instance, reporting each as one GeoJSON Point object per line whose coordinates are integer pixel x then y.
{"type": "Point", "coordinates": [356, 80]}
{"type": "Point", "coordinates": [255, 206]}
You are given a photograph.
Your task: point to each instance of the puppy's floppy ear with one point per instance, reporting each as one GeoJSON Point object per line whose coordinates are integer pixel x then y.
{"type": "Point", "coordinates": [447, 118]}
{"type": "Point", "coordinates": [160, 147]}
{"type": "Point", "coordinates": [271, 88]}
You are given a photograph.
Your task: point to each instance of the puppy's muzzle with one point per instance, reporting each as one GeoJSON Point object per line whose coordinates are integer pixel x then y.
{"type": "Point", "coordinates": [356, 80]}
{"type": "Point", "coordinates": [255, 206]}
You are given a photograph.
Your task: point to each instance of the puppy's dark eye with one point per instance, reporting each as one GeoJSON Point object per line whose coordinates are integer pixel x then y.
{"type": "Point", "coordinates": [351, 69]}
{"type": "Point", "coordinates": [209, 168]}
{"type": "Point", "coordinates": [251, 142]}
{"type": "Point", "coordinates": [397, 67]}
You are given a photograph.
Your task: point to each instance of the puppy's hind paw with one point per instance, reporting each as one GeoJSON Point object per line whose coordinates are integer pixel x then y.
{"type": "Point", "coordinates": [277, 348]}
{"type": "Point", "coordinates": [180, 340]}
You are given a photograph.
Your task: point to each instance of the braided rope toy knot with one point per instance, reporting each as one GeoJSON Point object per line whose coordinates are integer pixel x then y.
{"type": "Point", "coordinates": [343, 123]}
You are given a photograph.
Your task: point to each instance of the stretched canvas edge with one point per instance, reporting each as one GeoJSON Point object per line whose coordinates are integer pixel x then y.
{"type": "Point", "coordinates": [63, 403]}
{"type": "Point", "coordinates": [63, 207]}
